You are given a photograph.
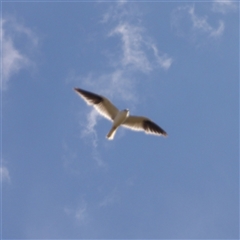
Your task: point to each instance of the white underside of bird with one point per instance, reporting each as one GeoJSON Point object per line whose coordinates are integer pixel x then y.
{"type": "Point", "coordinates": [119, 118]}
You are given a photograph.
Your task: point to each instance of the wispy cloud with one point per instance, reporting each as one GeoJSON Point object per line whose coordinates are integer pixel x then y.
{"type": "Point", "coordinates": [13, 58]}
{"type": "Point", "coordinates": [163, 60]}
{"type": "Point", "coordinates": [110, 199]}
{"type": "Point", "coordinates": [92, 118]}
{"type": "Point", "coordinates": [80, 213]}
{"type": "Point", "coordinates": [224, 7]}
{"type": "Point", "coordinates": [133, 52]}
{"type": "Point", "coordinates": [117, 84]}
{"type": "Point", "coordinates": [137, 50]}
{"type": "Point", "coordinates": [5, 176]}
{"type": "Point", "coordinates": [89, 132]}
{"type": "Point", "coordinates": [201, 23]}
{"type": "Point", "coordinates": [182, 16]}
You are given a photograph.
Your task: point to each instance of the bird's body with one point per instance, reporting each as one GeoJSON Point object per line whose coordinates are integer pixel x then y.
{"type": "Point", "coordinates": [119, 118]}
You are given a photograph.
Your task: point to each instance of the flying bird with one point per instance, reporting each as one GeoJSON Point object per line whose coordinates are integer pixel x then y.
{"type": "Point", "coordinates": [119, 118]}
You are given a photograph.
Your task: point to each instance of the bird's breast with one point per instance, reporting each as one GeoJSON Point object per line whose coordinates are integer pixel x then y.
{"type": "Point", "coordinates": [120, 118]}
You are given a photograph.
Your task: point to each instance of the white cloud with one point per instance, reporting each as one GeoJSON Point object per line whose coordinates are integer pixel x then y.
{"type": "Point", "coordinates": [122, 1]}
{"type": "Point", "coordinates": [163, 60]}
{"type": "Point", "coordinates": [138, 51]}
{"type": "Point", "coordinates": [219, 31]}
{"type": "Point", "coordinates": [224, 7]}
{"type": "Point", "coordinates": [5, 176]}
{"type": "Point", "coordinates": [119, 85]}
{"type": "Point", "coordinates": [183, 16]}
{"type": "Point", "coordinates": [110, 199]}
{"type": "Point", "coordinates": [14, 59]}
{"type": "Point", "coordinates": [201, 23]}
{"type": "Point", "coordinates": [92, 118]}
{"type": "Point", "coordinates": [79, 213]}
{"type": "Point", "coordinates": [133, 52]}
{"type": "Point", "coordinates": [89, 131]}
{"type": "Point", "coordinates": [116, 12]}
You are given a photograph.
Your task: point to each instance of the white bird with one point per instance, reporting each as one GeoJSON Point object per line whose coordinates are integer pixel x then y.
{"type": "Point", "coordinates": [119, 118]}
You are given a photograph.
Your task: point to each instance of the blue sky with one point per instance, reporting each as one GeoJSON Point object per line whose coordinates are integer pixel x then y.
{"type": "Point", "coordinates": [174, 62]}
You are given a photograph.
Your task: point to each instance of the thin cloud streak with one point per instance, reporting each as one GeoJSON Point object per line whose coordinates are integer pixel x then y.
{"type": "Point", "coordinates": [201, 23]}
{"type": "Point", "coordinates": [89, 131]}
{"type": "Point", "coordinates": [79, 213]}
{"type": "Point", "coordinates": [13, 60]}
{"type": "Point", "coordinates": [136, 49]}
{"type": "Point", "coordinates": [224, 7]}
{"type": "Point", "coordinates": [181, 16]}
{"type": "Point", "coordinates": [110, 199]}
{"type": "Point", "coordinates": [219, 31]}
{"type": "Point", "coordinates": [117, 84]}
{"type": "Point", "coordinates": [163, 60]}
{"type": "Point", "coordinates": [5, 176]}
{"type": "Point", "coordinates": [132, 41]}
{"type": "Point", "coordinates": [92, 117]}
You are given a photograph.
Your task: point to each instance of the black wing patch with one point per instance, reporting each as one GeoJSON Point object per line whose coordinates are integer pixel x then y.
{"type": "Point", "coordinates": [150, 126]}
{"type": "Point", "coordinates": [91, 98]}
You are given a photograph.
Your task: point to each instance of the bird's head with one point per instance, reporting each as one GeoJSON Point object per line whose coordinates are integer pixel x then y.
{"type": "Point", "coordinates": [126, 111]}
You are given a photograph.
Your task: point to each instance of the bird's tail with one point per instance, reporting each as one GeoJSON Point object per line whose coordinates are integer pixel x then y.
{"type": "Point", "coordinates": [111, 133]}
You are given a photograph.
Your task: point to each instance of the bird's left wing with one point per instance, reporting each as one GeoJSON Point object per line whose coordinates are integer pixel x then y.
{"type": "Point", "coordinates": [100, 103]}
{"type": "Point", "coordinates": [143, 124]}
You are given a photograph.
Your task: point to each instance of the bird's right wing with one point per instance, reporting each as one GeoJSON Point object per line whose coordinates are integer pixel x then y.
{"type": "Point", "coordinates": [143, 124]}
{"type": "Point", "coordinates": [100, 103]}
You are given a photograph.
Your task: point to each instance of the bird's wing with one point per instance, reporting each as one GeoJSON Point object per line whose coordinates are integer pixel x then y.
{"type": "Point", "coordinates": [100, 103]}
{"type": "Point", "coordinates": [143, 124]}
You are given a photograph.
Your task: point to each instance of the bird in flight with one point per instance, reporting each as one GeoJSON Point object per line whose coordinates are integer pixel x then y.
{"type": "Point", "coordinates": [119, 118]}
